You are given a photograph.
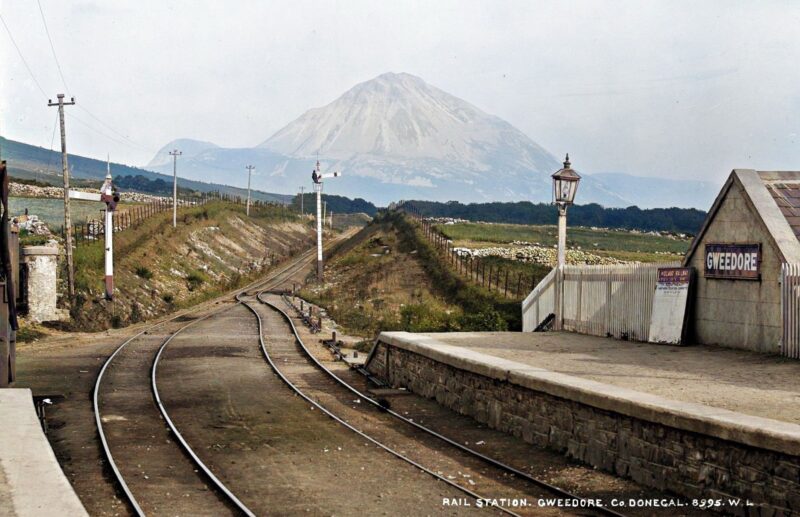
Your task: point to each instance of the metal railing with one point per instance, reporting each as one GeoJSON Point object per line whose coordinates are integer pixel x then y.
{"type": "Point", "coordinates": [613, 300]}
{"type": "Point", "coordinates": [790, 310]}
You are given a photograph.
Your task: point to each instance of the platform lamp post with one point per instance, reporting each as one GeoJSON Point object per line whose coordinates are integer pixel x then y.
{"type": "Point", "coordinates": [565, 185]}
{"type": "Point", "coordinates": [317, 177]}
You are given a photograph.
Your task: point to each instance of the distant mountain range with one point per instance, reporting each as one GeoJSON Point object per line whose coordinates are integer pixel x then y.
{"type": "Point", "coordinates": [37, 163]}
{"type": "Point", "coordinates": [397, 137]}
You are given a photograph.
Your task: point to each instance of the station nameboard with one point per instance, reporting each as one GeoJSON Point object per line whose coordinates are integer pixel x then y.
{"type": "Point", "coordinates": [733, 261]}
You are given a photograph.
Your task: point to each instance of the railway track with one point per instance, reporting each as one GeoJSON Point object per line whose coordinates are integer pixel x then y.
{"type": "Point", "coordinates": [282, 356]}
{"type": "Point", "coordinates": [164, 474]}
{"type": "Point", "coordinates": [123, 397]}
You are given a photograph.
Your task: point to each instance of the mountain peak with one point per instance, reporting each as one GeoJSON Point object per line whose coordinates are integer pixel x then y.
{"type": "Point", "coordinates": [400, 117]}
{"type": "Point", "coordinates": [190, 148]}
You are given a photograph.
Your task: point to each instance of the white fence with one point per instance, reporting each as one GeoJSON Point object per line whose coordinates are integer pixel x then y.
{"type": "Point", "coordinates": [790, 310]}
{"type": "Point", "coordinates": [540, 303]}
{"type": "Point", "coordinates": [597, 300]}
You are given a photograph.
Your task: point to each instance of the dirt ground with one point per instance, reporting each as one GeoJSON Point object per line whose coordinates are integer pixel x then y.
{"type": "Point", "coordinates": [275, 452]}
{"type": "Point", "coordinates": [64, 366]}
{"type": "Point", "coordinates": [67, 367]}
{"type": "Point", "coordinates": [737, 380]}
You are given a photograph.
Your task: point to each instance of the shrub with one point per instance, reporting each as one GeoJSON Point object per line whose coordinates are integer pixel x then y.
{"type": "Point", "coordinates": [424, 318]}
{"type": "Point", "coordinates": [196, 279]}
{"type": "Point", "coordinates": [143, 272]}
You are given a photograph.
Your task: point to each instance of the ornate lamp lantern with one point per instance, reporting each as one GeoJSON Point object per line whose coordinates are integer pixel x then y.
{"type": "Point", "coordinates": [565, 185]}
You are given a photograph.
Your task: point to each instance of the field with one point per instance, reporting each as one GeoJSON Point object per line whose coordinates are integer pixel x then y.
{"type": "Point", "coordinates": [620, 244]}
{"type": "Point", "coordinates": [51, 211]}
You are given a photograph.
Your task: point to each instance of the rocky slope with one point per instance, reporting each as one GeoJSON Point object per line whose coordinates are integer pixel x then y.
{"type": "Point", "coordinates": [158, 269]}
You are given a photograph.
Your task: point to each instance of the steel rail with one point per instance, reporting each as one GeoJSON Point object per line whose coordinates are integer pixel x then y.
{"type": "Point", "coordinates": [293, 265]}
{"type": "Point", "coordinates": [184, 444]}
{"type": "Point", "coordinates": [488, 459]}
{"type": "Point", "coordinates": [349, 426]}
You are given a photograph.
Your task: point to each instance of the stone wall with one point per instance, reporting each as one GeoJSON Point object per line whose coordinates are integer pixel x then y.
{"type": "Point", "coordinates": [686, 463]}
{"type": "Point", "coordinates": [738, 313]}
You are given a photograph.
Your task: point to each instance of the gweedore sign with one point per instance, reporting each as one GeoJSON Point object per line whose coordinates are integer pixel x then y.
{"type": "Point", "coordinates": [733, 261]}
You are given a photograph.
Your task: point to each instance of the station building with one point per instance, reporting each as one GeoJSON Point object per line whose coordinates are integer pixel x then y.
{"type": "Point", "coordinates": [752, 228]}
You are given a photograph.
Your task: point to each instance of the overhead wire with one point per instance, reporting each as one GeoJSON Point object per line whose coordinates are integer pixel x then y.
{"type": "Point", "coordinates": [52, 47]}
{"type": "Point", "coordinates": [52, 142]}
{"type": "Point", "coordinates": [24, 61]}
{"type": "Point", "coordinates": [72, 116]}
{"type": "Point", "coordinates": [125, 139]}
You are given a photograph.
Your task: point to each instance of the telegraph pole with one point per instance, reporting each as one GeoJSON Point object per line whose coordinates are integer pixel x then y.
{"type": "Point", "coordinates": [65, 171]}
{"type": "Point", "coordinates": [302, 190]}
{"type": "Point", "coordinates": [175, 155]}
{"type": "Point", "coordinates": [249, 173]}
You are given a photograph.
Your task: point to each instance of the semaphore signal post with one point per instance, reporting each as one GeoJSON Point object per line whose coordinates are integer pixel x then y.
{"type": "Point", "coordinates": [317, 177]}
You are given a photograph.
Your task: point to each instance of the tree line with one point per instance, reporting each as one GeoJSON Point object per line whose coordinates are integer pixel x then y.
{"type": "Point", "coordinates": [679, 220]}
{"type": "Point", "coordinates": [335, 204]}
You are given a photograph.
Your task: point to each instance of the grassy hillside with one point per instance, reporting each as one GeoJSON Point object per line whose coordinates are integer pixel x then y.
{"type": "Point", "coordinates": [158, 269]}
{"type": "Point", "coordinates": [389, 278]}
{"type": "Point", "coordinates": [37, 163]}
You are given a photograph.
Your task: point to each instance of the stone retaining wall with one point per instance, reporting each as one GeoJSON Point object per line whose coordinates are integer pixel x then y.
{"type": "Point", "coordinates": [652, 453]}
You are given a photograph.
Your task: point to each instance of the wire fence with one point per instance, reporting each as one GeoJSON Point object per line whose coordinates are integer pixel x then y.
{"type": "Point", "coordinates": [510, 284]}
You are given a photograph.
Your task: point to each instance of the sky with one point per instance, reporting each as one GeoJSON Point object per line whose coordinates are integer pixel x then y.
{"type": "Point", "coordinates": [685, 90]}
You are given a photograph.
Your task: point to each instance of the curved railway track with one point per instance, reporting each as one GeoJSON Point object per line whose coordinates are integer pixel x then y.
{"type": "Point", "coordinates": [126, 388]}
{"type": "Point", "coordinates": [494, 463]}
{"type": "Point", "coordinates": [343, 422]}
{"type": "Point", "coordinates": [130, 374]}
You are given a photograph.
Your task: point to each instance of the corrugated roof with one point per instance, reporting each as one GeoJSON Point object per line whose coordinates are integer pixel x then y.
{"type": "Point", "coordinates": [787, 197]}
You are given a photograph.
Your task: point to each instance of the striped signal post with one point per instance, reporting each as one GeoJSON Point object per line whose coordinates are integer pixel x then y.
{"type": "Point", "coordinates": [317, 177]}
{"type": "Point", "coordinates": [108, 195]}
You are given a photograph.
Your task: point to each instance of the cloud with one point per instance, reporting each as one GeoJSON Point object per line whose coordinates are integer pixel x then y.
{"type": "Point", "coordinates": [656, 89]}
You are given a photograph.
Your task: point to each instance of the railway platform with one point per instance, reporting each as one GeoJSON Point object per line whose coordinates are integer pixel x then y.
{"type": "Point", "coordinates": [701, 421]}
{"type": "Point", "coordinates": [31, 480]}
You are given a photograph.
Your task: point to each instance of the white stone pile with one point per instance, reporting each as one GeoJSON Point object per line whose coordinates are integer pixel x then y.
{"type": "Point", "coordinates": [538, 255]}
{"type": "Point", "coordinates": [23, 190]}
{"type": "Point", "coordinates": [446, 220]}
{"type": "Point", "coordinates": [32, 224]}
